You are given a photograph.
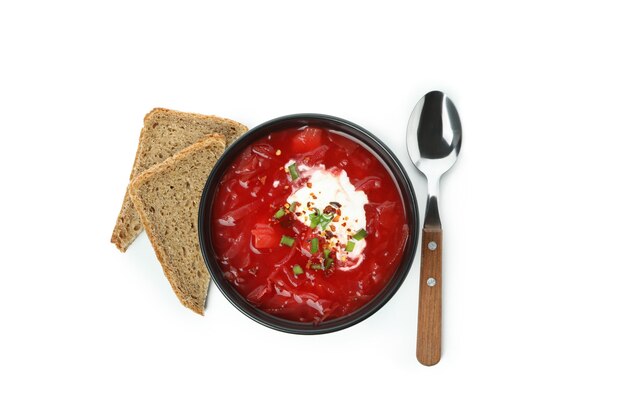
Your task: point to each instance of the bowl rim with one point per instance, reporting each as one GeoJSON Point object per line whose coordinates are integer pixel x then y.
{"type": "Point", "coordinates": [398, 173]}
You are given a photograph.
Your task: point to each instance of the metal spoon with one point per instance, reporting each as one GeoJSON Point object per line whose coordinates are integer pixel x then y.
{"type": "Point", "coordinates": [434, 140]}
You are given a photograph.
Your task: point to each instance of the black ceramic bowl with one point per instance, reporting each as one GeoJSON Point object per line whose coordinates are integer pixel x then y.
{"type": "Point", "coordinates": [367, 140]}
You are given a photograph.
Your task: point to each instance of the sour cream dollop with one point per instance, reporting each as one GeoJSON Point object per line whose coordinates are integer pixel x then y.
{"type": "Point", "coordinates": [324, 188]}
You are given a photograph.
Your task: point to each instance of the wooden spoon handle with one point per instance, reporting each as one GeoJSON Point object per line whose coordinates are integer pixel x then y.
{"type": "Point", "coordinates": [429, 310]}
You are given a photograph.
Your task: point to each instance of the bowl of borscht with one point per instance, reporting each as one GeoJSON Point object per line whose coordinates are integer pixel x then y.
{"type": "Point", "coordinates": [308, 224]}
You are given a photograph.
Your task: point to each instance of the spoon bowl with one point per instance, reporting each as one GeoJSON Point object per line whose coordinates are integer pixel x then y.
{"type": "Point", "coordinates": [434, 134]}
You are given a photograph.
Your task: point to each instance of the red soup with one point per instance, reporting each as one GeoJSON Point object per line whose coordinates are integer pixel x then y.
{"type": "Point", "coordinates": [308, 224]}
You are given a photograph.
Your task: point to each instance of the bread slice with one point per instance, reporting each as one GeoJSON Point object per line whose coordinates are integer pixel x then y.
{"type": "Point", "coordinates": [164, 133]}
{"type": "Point", "coordinates": [167, 198]}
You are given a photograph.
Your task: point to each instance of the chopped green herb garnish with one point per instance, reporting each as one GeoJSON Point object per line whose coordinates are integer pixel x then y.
{"type": "Point", "coordinates": [293, 171]}
{"type": "Point", "coordinates": [280, 213]}
{"type": "Point", "coordinates": [320, 219]}
{"type": "Point", "coordinates": [360, 234]}
{"type": "Point", "coordinates": [350, 245]}
{"type": "Point", "coordinates": [287, 241]}
{"type": "Point", "coordinates": [297, 270]}
{"type": "Point", "coordinates": [314, 245]}
{"type": "Point", "coordinates": [292, 207]}
{"type": "Point", "coordinates": [325, 220]}
{"type": "Point", "coordinates": [315, 218]}
{"type": "Point", "coordinates": [314, 221]}
{"type": "Point", "coordinates": [328, 263]}
{"type": "Point", "coordinates": [326, 253]}
{"type": "Point", "coordinates": [316, 266]}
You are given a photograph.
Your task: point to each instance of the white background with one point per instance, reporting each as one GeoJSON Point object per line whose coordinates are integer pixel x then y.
{"type": "Point", "coordinates": [533, 212]}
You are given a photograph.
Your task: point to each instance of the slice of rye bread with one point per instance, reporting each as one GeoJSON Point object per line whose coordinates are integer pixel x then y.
{"type": "Point", "coordinates": [167, 197]}
{"type": "Point", "coordinates": [164, 133]}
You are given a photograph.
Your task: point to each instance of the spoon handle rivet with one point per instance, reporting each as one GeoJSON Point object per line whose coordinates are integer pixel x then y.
{"type": "Point", "coordinates": [432, 245]}
{"type": "Point", "coordinates": [431, 282]}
